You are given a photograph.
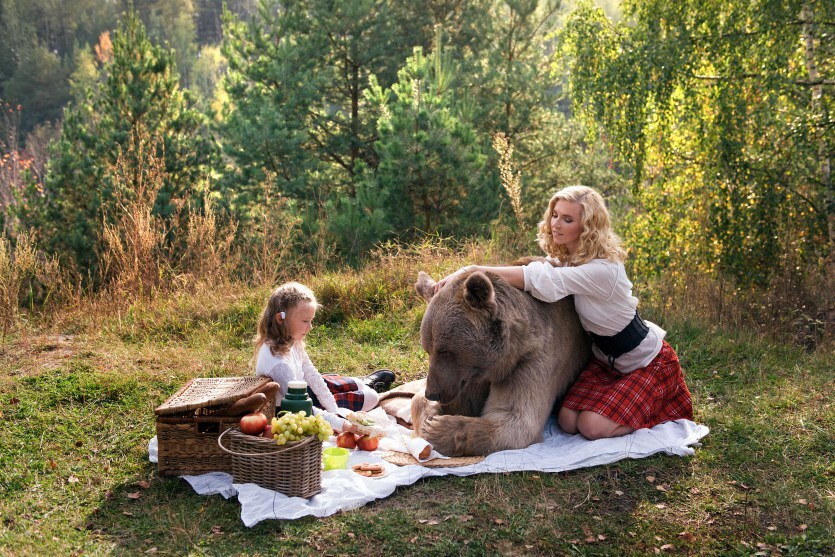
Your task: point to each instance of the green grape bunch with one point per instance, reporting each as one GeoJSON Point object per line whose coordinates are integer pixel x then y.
{"type": "Point", "coordinates": [296, 426]}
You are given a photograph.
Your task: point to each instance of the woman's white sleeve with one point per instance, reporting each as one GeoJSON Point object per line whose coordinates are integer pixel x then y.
{"type": "Point", "coordinates": [549, 284]}
{"type": "Point", "coordinates": [318, 386]}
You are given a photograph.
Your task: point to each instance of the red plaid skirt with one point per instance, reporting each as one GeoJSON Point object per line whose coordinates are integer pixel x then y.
{"type": "Point", "coordinates": [344, 390]}
{"type": "Point", "coordinates": [644, 398]}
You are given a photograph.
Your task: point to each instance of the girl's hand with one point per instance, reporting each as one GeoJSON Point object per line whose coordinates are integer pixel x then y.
{"type": "Point", "coordinates": [440, 284]}
{"type": "Point", "coordinates": [349, 427]}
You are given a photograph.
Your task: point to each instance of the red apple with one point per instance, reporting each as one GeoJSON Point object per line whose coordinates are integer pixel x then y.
{"type": "Point", "coordinates": [253, 424]}
{"type": "Point", "coordinates": [346, 440]}
{"type": "Point", "coordinates": [366, 443]}
{"type": "Point", "coordinates": [268, 430]}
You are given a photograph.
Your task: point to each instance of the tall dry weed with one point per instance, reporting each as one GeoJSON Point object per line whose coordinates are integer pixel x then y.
{"type": "Point", "coordinates": [23, 266]}
{"type": "Point", "coordinates": [208, 257]}
{"type": "Point", "coordinates": [511, 180]}
{"type": "Point", "coordinates": [270, 242]}
{"type": "Point", "coordinates": [134, 259]}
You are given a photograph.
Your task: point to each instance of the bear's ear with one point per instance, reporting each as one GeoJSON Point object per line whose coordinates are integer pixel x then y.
{"type": "Point", "coordinates": [479, 293]}
{"type": "Point", "coordinates": [425, 286]}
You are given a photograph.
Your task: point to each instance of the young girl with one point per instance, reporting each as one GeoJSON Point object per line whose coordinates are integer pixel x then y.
{"type": "Point", "coordinates": [634, 379]}
{"type": "Point", "coordinates": [280, 355]}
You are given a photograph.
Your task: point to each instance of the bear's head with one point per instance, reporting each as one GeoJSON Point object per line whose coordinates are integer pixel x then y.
{"type": "Point", "coordinates": [467, 332]}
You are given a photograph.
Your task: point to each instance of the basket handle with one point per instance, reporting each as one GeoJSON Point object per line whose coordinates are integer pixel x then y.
{"type": "Point", "coordinates": [280, 449]}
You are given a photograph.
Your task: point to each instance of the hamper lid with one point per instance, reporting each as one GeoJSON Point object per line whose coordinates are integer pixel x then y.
{"type": "Point", "coordinates": [209, 391]}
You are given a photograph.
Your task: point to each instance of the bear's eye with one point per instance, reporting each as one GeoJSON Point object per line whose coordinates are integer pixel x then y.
{"type": "Point", "coordinates": [444, 353]}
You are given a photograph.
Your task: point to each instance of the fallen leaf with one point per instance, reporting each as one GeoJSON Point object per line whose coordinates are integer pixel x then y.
{"type": "Point", "coordinates": [73, 479]}
{"type": "Point", "coordinates": [660, 506]}
{"type": "Point", "coordinates": [433, 522]}
{"type": "Point", "coordinates": [126, 513]}
{"type": "Point", "coordinates": [143, 484]}
{"type": "Point", "coordinates": [14, 400]}
{"type": "Point", "coordinates": [465, 518]}
{"type": "Point", "coordinates": [108, 495]}
{"type": "Point", "coordinates": [650, 479]}
{"type": "Point", "coordinates": [687, 536]}
{"type": "Point", "coordinates": [601, 537]}
{"type": "Point", "coordinates": [52, 464]}
{"type": "Point", "coordinates": [695, 490]}
{"type": "Point", "coordinates": [667, 547]}
{"type": "Point", "coordinates": [151, 550]}
{"type": "Point", "coordinates": [413, 540]}
{"type": "Point", "coordinates": [656, 550]}
{"type": "Point", "coordinates": [528, 546]}
{"type": "Point", "coordinates": [801, 501]}
{"type": "Point", "coordinates": [134, 495]}
{"type": "Point", "coordinates": [597, 517]}
{"type": "Point", "coordinates": [802, 527]}
{"type": "Point", "coordinates": [499, 521]}
{"type": "Point", "coordinates": [618, 493]}
{"type": "Point", "coordinates": [589, 535]}
{"type": "Point", "coordinates": [772, 528]}
{"type": "Point", "coordinates": [660, 487]}
{"type": "Point", "coordinates": [217, 530]}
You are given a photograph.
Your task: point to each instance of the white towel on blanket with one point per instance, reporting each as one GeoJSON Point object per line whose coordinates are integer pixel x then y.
{"type": "Point", "coordinates": [344, 490]}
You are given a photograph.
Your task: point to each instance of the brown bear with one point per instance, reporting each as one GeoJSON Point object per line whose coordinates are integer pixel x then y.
{"type": "Point", "coordinates": [498, 360]}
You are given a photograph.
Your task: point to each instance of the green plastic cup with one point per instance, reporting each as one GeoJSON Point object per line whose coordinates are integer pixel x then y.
{"type": "Point", "coordinates": [335, 458]}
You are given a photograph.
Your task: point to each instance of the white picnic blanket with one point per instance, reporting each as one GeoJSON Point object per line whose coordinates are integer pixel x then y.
{"type": "Point", "coordinates": [344, 490]}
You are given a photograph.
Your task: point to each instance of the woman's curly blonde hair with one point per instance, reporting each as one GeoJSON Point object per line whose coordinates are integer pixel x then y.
{"type": "Point", "coordinates": [597, 240]}
{"type": "Point", "coordinates": [276, 334]}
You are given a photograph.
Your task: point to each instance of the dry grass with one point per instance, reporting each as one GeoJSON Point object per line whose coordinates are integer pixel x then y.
{"type": "Point", "coordinates": [209, 258]}
{"type": "Point", "coordinates": [133, 259]}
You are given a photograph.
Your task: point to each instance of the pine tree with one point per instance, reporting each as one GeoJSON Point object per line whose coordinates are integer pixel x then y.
{"type": "Point", "coordinates": [429, 157]}
{"type": "Point", "coordinates": [140, 96]}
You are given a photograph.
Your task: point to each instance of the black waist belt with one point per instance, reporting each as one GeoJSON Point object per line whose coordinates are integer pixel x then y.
{"type": "Point", "coordinates": [626, 340]}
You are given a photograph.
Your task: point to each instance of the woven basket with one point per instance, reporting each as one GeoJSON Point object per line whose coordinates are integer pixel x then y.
{"type": "Point", "coordinates": [294, 469]}
{"type": "Point", "coordinates": [189, 424]}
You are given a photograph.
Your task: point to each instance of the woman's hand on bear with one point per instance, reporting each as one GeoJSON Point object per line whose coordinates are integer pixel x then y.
{"type": "Point", "coordinates": [440, 284]}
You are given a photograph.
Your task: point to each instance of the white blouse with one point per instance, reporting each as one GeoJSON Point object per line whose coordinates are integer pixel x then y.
{"type": "Point", "coordinates": [603, 299]}
{"type": "Point", "coordinates": [295, 365]}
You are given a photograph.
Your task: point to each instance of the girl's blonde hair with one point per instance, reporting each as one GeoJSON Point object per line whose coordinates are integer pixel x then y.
{"type": "Point", "coordinates": [597, 240]}
{"type": "Point", "coordinates": [272, 333]}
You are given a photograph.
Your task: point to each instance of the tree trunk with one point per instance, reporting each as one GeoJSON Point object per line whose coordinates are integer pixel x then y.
{"type": "Point", "coordinates": [819, 116]}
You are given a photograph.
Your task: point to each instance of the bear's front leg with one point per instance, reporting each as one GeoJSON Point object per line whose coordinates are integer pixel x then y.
{"type": "Point", "coordinates": [460, 435]}
{"type": "Point", "coordinates": [423, 410]}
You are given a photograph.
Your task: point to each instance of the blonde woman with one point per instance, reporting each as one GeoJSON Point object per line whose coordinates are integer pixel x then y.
{"type": "Point", "coordinates": [634, 379]}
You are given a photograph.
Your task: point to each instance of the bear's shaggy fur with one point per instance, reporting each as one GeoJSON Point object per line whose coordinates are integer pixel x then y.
{"type": "Point", "coordinates": [498, 360]}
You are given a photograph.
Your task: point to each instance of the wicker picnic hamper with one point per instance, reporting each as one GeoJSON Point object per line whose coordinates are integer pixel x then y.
{"type": "Point", "coordinates": [190, 421]}
{"type": "Point", "coordinates": [294, 469]}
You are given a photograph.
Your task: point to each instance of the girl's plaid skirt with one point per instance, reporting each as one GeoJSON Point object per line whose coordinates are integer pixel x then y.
{"type": "Point", "coordinates": [643, 398]}
{"type": "Point", "coordinates": [344, 390]}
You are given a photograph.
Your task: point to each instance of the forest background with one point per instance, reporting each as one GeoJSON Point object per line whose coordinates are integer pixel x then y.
{"type": "Point", "coordinates": [150, 145]}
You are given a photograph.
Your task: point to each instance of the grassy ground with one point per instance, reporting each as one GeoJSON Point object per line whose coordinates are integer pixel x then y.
{"type": "Point", "coordinates": [77, 402]}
